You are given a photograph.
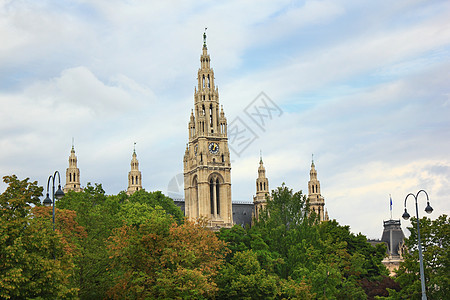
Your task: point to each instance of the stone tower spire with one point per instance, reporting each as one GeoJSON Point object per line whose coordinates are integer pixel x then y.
{"type": "Point", "coordinates": [207, 167]}
{"type": "Point", "coordinates": [262, 190]}
{"type": "Point", "coordinates": [134, 176]}
{"type": "Point", "coordinates": [316, 201]}
{"type": "Point", "coordinates": [72, 174]}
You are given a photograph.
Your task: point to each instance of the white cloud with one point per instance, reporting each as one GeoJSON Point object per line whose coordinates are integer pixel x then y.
{"type": "Point", "coordinates": [362, 86]}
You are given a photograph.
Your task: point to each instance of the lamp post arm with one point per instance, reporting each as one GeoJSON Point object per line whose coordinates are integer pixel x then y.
{"type": "Point", "coordinates": [410, 194]}
{"type": "Point", "coordinates": [59, 177]}
{"type": "Point", "coordinates": [417, 196]}
{"type": "Point", "coordinates": [48, 182]}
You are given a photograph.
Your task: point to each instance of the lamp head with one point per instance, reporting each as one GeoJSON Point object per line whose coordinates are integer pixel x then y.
{"type": "Point", "coordinates": [59, 193]}
{"type": "Point", "coordinates": [47, 201]}
{"type": "Point", "coordinates": [428, 209]}
{"type": "Point", "coordinates": [405, 215]}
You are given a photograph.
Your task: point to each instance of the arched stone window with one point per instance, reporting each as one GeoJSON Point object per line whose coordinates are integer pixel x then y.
{"type": "Point", "coordinates": [218, 195]}
{"type": "Point", "coordinates": [214, 194]}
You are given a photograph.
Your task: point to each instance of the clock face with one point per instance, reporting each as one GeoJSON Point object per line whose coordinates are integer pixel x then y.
{"type": "Point", "coordinates": [213, 148]}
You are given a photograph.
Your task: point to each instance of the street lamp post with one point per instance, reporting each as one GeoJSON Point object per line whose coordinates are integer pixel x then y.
{"type": "Point", "coordinates": [406, 216]}
{"type": "Point", "coordinates": [59, 194]}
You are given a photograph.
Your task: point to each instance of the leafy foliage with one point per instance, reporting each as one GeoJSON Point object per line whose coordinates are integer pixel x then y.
{"type": "Point", "coordinates": [292, 248]}
{"type": "Point", "coordinates": [161, 259]}
{"type": "Point", "coordinates": [435, 236]}
{"type": "Point", "coordinates": [33, 259]}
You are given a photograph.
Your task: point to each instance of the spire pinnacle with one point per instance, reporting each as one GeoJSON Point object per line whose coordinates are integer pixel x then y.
{"type": "Point", "coordinates": [134, 148]}
{"type": "Point", "coordinates": [260, 155]}
{"type": "Point", "coordinates": [204, 37]}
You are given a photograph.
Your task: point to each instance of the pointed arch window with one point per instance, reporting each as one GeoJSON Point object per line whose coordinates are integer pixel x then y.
{"type": "Point", "coordinates": [70, 176]}
{"type": "Point", "coordinates": [214, 195]}
{"type": "Point", "coordinates": [218, 195]}
{"type": "Point", "coordinates": [132, 179]}
{"type": "Point", "coordinates": [211, 195]}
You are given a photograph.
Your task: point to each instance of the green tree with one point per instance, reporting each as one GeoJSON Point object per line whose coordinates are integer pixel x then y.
{"type": "Point", "coordinates": [33, 261]}
{"type": "Point", "coordinates": [244, 278]}
{"type": "Point", "coordinates": [154, 200]}
{"type": "Point", "coordinates": [290, 242]}
{"type": "Point", "coordinates": [98, 215]}
{"type": "Point", "coordinates": [435, 236]}
{"type": "Point", "coordinates": [288, 228]}
{"type": "Point", "coordinates": [161, 259]}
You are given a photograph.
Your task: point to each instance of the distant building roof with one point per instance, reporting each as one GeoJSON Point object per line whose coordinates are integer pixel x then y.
{"type": "Point", "coordinates": [242, 211]}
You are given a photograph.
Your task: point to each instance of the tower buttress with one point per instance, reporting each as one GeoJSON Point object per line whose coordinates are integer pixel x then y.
{"type": "Point", "coordinates": [72, 174]}
{"type": "Point", "coordinates": [316, 201]}
{"type": "Point", "coordinates": [207, 167]}
{"type": "Point", "coordinates": [134, 176]}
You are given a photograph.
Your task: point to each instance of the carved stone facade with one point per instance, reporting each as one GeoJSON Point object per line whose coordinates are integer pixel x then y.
{"type": "Point", "coordinates": [316, 201]}
{"type": "Point", "coordinates": [207, 167]}
{"type": "Point", "coordinates": [134, 176]}
{"type": "Point", "coordinates": [72, 174]}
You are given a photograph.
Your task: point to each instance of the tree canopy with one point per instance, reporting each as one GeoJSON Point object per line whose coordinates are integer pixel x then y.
{"type": "Point", "coordinates": [140, 246]}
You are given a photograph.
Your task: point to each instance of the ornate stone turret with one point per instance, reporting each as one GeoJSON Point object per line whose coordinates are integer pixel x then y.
{"type": "Point", "coordinates": [134, 176]}
{"type": "Point", "coordinates": [262, 190]}
{"type": "Point", "coordinates": [72, 174]}
{"type": "Point", "coordinates": [316, 201]}
{"type": "Point", "coordinates": [207, 167]}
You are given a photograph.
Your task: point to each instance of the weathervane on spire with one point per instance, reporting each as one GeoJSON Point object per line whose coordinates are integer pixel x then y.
{"type": "Point", "coordinates": [204, 37]}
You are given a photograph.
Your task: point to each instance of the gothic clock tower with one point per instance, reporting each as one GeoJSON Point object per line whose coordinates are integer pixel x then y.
{"type": "Point", "coordinates": [207, 167]}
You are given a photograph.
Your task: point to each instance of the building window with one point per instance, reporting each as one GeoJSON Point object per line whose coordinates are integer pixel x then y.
{"type": "Point", "coordinates": [211, 195]}
{"type": "Point", "coordinates": [218, 196]}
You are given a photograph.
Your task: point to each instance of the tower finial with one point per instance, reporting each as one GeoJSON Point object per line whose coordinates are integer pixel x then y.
{"type": "Point", "coordinates": [72, 143]}
{"type": "Point", "coordinates": [134, 147]}
{"type": "Point", "coordinates": [260, 155]}
{"type": "Point", "coordinates": [312, 158]}
{"type": "Point", "coordinates": [204, 37]}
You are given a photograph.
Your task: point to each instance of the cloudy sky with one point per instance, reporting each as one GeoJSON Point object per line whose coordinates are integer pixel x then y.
{"type": "Point", "coordinates": [364, 85]}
